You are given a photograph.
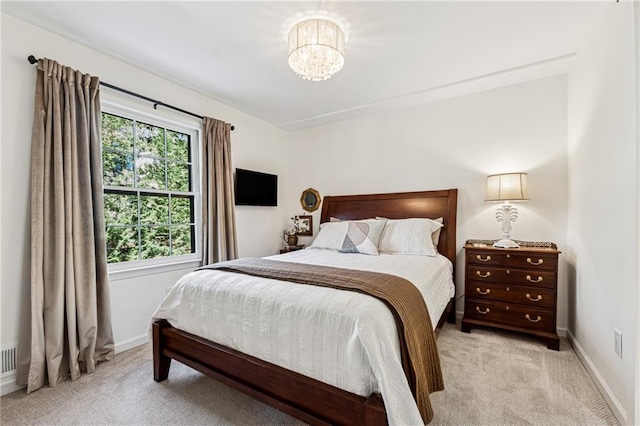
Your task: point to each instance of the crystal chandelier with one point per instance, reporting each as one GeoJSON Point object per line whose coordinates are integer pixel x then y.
{"type": "Point", "coordinates": [316, 49]}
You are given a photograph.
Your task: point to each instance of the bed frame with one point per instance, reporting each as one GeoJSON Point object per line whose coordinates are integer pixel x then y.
{"type": "Point", "coordinates": [309, 400]}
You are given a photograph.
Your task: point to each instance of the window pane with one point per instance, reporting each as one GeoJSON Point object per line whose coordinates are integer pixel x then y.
{"type": "Point", "coordinates": [117, 132]}
{"type": "Point", "coordinates": [122, 244]}
{"type": "Point", "coordinates": [140, 158]}
{"type": "Point", "coordinates": [182, 240]}
{"type": "Point", "coordinates": [178, 146]}
{"type": "Point", "coordinates": [154, 241]}
{"type": "Point", "coordinates": [154, 210]}
{"type": "Point", "coordinates": [120, 209]}
{"type": "Point", "coordinates": [117, 168]}
{"type": "Point", "coordinates": [182, 210]}
{"type": "Point", "coordinates": [150, 140]}
{"type": "Point", "coordinates": [179, 177]}
{"type": "Point", "coordinates": [150, 173]}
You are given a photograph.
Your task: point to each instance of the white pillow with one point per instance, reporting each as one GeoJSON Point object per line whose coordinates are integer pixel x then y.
{"type": "Point", "coordinates": [331, 235]}
{"type": "Point", "coordinates": [435, 236]}
{"type": "Point", "coordinates": [350, 236]}
{"type": "Point", "coordinates": [408, 236]}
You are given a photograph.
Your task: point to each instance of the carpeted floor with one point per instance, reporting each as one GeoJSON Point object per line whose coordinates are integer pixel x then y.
{"type": "Point", "coordinates": [491, 378]}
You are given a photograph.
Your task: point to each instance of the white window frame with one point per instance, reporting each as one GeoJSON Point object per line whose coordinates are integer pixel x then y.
{"type": "Point", "coordinates": [134, 268]}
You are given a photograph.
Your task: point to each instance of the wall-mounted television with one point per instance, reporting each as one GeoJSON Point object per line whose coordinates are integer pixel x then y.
{"type": "Point", "coordinates": [255, 188]}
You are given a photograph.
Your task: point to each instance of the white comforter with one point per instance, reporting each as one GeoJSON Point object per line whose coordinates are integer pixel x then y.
{"type": "Point", "coordinates": [342, 338]}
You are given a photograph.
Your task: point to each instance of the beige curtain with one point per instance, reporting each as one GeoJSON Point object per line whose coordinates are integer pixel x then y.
{"type": "Point", "coordinates": [70, 306]}
{"type": "Point", "coordinates": [218, 214]}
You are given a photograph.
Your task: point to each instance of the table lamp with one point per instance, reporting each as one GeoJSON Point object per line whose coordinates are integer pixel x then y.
{"type": "Point", "coordinates": [506, 187]}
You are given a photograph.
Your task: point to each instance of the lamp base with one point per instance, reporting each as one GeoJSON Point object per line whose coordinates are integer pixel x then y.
{"type": "Point", "coordinates": [506, 243]}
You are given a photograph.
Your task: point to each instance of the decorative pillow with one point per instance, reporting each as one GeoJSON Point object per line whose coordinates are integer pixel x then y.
{"type": "Point", "coordinates": [363, 236]}
{"type": "Point", "coordinates": [331, 235]}
{"type": "Point", "coordinates": [409, 236]}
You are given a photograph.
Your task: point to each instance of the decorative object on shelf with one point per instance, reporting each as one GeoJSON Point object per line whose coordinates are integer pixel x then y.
{"type": "Point", "coordinates": [506, 187]}
{"type": "Point", "coordinates": [316, 49]}
{"type": "Point", "coordinates": [292, 240]}
{"type": "Point", "coordinates": [290, 234]}
{"type": "Point", "coordinates": [310, 200]}
{"type": "Point", "coordinates": [305, 223]}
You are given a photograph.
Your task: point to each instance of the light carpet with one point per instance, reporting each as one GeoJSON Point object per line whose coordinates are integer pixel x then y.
{"type": "Point", "coordinates": [491, 378]}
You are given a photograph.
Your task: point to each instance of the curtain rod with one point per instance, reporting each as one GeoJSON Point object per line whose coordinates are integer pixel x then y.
{"type": "Point", "coordinates": [32, 60]}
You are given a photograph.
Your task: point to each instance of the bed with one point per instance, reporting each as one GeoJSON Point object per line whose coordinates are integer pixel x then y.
{"type": "Point", "coordinates": [310, 400]}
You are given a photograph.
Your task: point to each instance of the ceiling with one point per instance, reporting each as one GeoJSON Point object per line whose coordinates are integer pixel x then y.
{"type": "Point", "coordinates": [396, 52]}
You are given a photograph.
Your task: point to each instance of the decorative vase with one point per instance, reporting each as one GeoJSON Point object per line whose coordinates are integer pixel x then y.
{"type": "Point", "coordinates": [292, 240]}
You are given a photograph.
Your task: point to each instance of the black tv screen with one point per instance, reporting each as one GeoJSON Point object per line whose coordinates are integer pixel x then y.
{"type": "Point", "coordinates": [255, 188]}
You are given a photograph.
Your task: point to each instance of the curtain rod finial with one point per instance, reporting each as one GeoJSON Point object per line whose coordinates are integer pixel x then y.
{"type": "Point", "coordinates": [32, 59]}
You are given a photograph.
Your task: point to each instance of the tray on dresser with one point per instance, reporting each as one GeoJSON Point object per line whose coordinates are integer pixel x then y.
{"type": "Point", "coordinates": [529, 244]}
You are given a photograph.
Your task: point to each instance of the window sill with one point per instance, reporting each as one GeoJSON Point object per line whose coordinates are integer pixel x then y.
{"type": "Point", "coordinates": [121, 272]}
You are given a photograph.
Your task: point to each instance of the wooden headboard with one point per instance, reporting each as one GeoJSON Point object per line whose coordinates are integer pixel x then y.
{"type": "Point", "coordinates": [400, 205]}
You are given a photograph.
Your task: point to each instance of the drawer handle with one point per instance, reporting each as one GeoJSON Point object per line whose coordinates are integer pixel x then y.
{"type": "Point", "coordinates": [537, 280]}
{"type": "Point", "coordinates": [485, 292]}
{"type": "Point", "coordinates": [486, 259]}
{"type": "Point", "coordinates": [537, 299]}
{"type": "Point", "coordinates": [531, 262]}
{"type": "Point", "coordinates": [482, 312]}
{"type": "Point", "coordinates": [488, 274]}
{"type": "Point", "coordinates": [535, 320]}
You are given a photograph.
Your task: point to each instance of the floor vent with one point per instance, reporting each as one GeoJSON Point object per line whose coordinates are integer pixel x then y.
{"type": "Point", "coordinates": [9, 364]}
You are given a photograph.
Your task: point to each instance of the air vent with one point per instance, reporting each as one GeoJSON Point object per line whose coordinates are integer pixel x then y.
{"type": "Point", "coordinates": [9, 364]}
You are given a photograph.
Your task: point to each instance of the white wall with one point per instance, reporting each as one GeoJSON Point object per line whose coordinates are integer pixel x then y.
{"type": "Point", "coordinates": [637, 47]}
{"type": "Point", "coordinates": [255, 145]}
{"type": "Point", "coordinates": [603, 205]}
{"type": "Point", "coordinates": [454, 143]}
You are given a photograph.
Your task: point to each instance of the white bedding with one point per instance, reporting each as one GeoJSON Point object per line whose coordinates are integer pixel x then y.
{"type": "Point", "coordinates": [342, 338]}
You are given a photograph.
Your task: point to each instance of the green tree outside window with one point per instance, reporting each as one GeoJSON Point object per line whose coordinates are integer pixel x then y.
{"type": "Point", "coordinates": [148, 200]}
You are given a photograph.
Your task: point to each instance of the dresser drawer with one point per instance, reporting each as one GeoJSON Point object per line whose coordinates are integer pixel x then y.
{"type": "Point", "coordinates": [531, 261]}
{"type": "Point", "coordinates": [513, 315]}
{"type": "Point", "coordinates": [530, 296]}
{"type": "Point", "coordinates": [511, 276]}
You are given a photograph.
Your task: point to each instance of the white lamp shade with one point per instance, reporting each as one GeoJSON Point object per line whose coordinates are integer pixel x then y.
{"type": "Point", "coordinates": [316, 49]}
{"type": "Point", "coordinates": [507, 187]}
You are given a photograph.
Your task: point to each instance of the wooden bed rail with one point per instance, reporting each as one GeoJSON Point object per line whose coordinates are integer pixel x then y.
{"type": "Point", "coordinates": [307, 399]}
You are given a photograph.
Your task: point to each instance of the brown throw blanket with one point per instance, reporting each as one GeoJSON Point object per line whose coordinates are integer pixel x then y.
{"type": "Point", "coordinates": [417, 340]}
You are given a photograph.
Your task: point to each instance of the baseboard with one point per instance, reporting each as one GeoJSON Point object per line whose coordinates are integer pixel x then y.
{"type": "Point", "coordinates": [597, 378]}
{"type": "Point", "coordinates": [8, 385]}
{"type": "Point", "coordinates": [131, 343]}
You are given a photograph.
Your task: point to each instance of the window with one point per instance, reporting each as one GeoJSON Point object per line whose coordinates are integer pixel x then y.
{"type": "Point", "coordinates": [149, 189]}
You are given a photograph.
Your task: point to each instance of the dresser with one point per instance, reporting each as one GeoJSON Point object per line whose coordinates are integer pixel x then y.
{"type": "Point", "coordinates": [512, 289]}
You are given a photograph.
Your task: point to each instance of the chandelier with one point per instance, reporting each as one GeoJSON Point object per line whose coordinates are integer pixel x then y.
{"type": "Point", "coordinates": [316, 49]}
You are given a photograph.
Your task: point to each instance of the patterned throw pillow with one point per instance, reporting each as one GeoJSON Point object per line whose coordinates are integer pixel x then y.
{"type": "Point", "coordinates": [363, 237]}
